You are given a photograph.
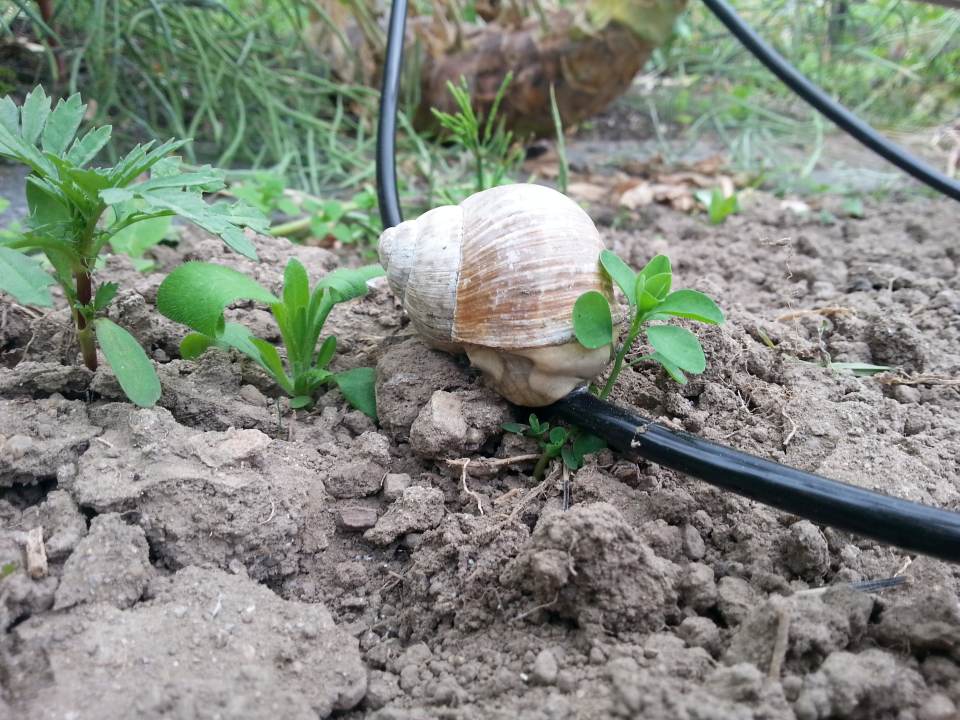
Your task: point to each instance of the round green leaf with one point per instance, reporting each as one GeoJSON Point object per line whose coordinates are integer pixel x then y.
{"type": "Point", "coordinates": [129, 362]}
{"type": "Point", "coordinates": [24, 279]}
{"type": "Point", "coordinates": [691, 304]}
{"type": "Point", "coordinates": [658, 265]}
{"type": "Point", "coordinates": [196, 294]}
{"type": "Point", "coordinates": [592, 321]}
{"type": "Point", "coordinates": [678, 346]}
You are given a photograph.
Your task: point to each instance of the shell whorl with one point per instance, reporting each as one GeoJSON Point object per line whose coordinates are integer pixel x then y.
{"type": "Point", "coordinates": [502, 270]}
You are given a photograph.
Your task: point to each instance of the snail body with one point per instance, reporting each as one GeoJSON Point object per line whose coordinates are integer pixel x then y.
{"type": "Point", "coordinates": [496, 277]}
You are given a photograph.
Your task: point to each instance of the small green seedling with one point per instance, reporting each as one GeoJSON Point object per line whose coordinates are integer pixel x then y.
{"type": "Point", "coordinates": [197, 293]}
{"type": "Point", "coordinates": [265, 191]}
{"type": "Point", "coordinates": [490, 143]}
{"type": "Point", "coordinates": [678, 350]}
{"type": "Point", "coordinates": [76, 211]}
{"type": "Point", "coordinates": [7, 569]}
{"type": "Point", "coordinates": [570, 445]}
{"type": "Point", "coordinates": [719, 206]}
{"type": "Point", "coordinates": [353, 221]}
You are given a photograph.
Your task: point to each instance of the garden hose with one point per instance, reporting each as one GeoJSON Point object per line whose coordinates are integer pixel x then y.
{"type": "Point", "coordinates": [908, 525]}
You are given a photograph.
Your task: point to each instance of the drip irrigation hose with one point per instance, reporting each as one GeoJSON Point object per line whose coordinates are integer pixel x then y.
{"type": "Point", "coordinates": [816, 97]}
{"type": "Point", "coordinates": [908, 525]}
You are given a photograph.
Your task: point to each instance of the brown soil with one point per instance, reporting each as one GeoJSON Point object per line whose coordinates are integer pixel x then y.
{"type": "Point", "coordinates": [222, 557]}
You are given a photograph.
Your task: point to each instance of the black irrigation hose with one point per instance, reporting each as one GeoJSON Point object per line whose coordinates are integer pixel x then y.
{"type": "Point", "coordinates": [843, 118]}
{"type": "Point", "coordinates": [908, 525]}
{"type": "Point", "coordinates": [388, 195]}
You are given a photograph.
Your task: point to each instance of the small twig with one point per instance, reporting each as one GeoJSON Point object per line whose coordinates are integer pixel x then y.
{"type": "Point", "coordinates": [793, 428]}
{"type": "Point", "coordinates": [494, 462]}
{"type": "Point", "coordinates": [566, 486]}
{"type": "Point", "coordinates": [903, 568]}
{"type": "Point", "coordinates": [464, 463]}
{"type": "Point", "coordinates": [537, 608]}
{"type": "Point", "coordinates": [832, 311]}
{"type": "Point", "coordinates": [218, 607]}
{"type": "Point", "coordinates": [780, 644]}
{"type": "Point", "coordinates": [918, 380]}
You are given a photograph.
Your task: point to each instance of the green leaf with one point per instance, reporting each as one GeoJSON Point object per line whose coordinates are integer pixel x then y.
{"type": "Point", "coordinates": [62, 125]}
{"type": "Point", "coordinates": [325, 354]}
{"type": "Point", "coordinates": [693, 305]}
{"type": "Point", "coordinates": [300, 401]}
{"type": "Point", "coordinates": [114, 196]}
{"type": "Point", "coordinates": [105, 293]}
{"type": "Point", "coordinates": [86, 148]}
{"type": "Point", "coordinates": [592, 321]}
{"type": "Point", "coordinates": [33, 115]}
{"type": "Point", "coordinates": [659, 285]}
{"type": "Point", "coordinates": [588, 444]}
{"type": "Point", "coordinates": [659, 265]}
{"type": "Point", "coordinates": [860, 369]}
{"type": "Point", "coordinates": [129, 362]}
{"type": "Point", "coordinates": [349, 283]}
{"type": "Point", "coordinates": [535, 424]}
{"type": "Point", "coordinates": [679, 346]}
{"type": "Point", "coordinates": [9, 116]}
{"type": "Point", "coordinates": [514, 428]}
{"type": "Point", "coordinates": [135, 239]}
{"type": "Point", "coordinates": [672, 370]}
{"type": "Point", "coordinates": [296, 285]}
{"type": "Point", "coordinates": [359, 388]}
{"type": "Point", "coordinates": [47, 213]}
{"type": "Point", "coordinates": [196, 294]}
{"type": "Point", "coordinates": [570, 458]}
{"type": "Point", "coordinates": [194, 345]}
{"type": "Point", "coordinates": [238, 337]}
{"type": "Point", "coordinates": [620, 273]}
{"type": "Point", "coordinates": [270, 359]}
{"type": "Point", "coordinates": [558, 436]}
{"type": "Point", "coordinates": [22, 277]}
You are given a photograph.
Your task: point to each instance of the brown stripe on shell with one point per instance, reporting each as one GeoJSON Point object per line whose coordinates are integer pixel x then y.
{"type": "Point", "coordinates": [528, 253]}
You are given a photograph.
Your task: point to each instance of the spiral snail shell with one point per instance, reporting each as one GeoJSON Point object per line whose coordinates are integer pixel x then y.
{"type": "Point", "coordinates": [496, 277]}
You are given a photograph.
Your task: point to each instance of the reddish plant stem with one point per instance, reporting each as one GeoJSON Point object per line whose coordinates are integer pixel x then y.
{"type": "Point", "coordinates": [88, 347]}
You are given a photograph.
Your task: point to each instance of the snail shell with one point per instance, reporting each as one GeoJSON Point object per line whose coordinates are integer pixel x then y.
{"type": "Point", "coordinates": [497, 277]}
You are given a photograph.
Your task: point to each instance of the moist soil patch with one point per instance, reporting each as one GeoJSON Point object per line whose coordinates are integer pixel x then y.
{"type": "Point", "coordinates": [221, 556]}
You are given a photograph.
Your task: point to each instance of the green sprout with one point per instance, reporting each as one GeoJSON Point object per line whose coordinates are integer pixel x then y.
{"type": "Point", "coordinates": [569, 444]}
{"type": "Point", "coordinates": [719, 206]}
{"type": "Point", "coordinates": [490, 143]}
{"type": "Point", "coordinates": [676, 349]}
{"type": "Point", "coordinates": [197, 293]}
{"type": "Point", "coordinates": [76, 211]}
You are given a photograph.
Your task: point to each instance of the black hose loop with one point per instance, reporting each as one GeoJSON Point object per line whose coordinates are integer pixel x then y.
{"type": "Point", "coordinates": [819, 100]}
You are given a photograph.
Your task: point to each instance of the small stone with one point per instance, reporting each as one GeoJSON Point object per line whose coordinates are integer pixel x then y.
{"type": "Point", "coordinates": [807, 553]}
{"type": "Point", "coordinates": [693, 544]}
{"type": "Point", "coordinates": [697, 587]}
{"type": "Point", "coordinates": [454, 424]}
{"type": "Point", "coordinates": [358, 423]}
{"type": "Point", "coordinates": [700, 632]}
{"type": "Point", "coordinates": [735, 599]}
{"type": "Point", "coordinates": [409, 678]}
{"type": "Point", "coordinates": [567, 681]}
{"type": "Point", "coordinates": [418, 509]}
{"type": "Point", "coordinates": [545, 668]}
{"type": "Point", "coordinates": [394, 484]}
{"type": "Point", "coordinates": [252, 395]}
{"type": "Point", "coordinates": [356, 519]}
{"type": "Point", "coordinates": [597, 656]}
{"type": "Point", "coordinates": [359, 474]}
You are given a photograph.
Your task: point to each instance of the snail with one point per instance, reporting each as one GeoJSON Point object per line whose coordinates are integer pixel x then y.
{"type": "Point", "coordinates": [497, 277]}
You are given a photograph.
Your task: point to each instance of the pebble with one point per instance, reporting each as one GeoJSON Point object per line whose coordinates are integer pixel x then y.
{"type": "Point", "coordinates": [356, 519]}
{"type": "Point", "coordinates": [394, 484]}
{"type": "Point", "coordinates": [253, 396]}
{"type": "Point", "coordinates": [545, 668]}
{"type": "Point", "coordinates": [807, 553]}
{"type": "Point", "coordinates": [697, 587]}
{"type": "Point", "coordinates": [693, 544]}
{"type": "Point", "coordinates": [735, 599]}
